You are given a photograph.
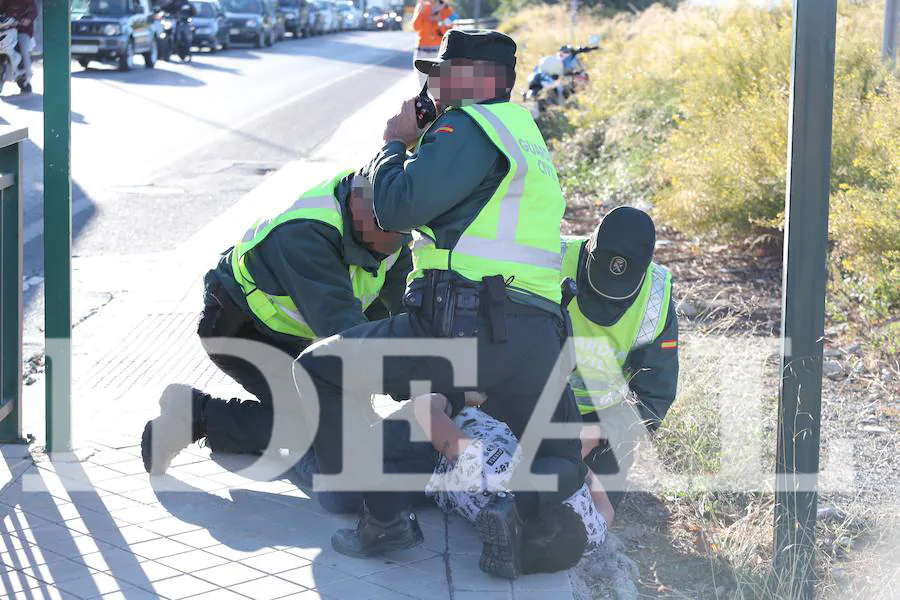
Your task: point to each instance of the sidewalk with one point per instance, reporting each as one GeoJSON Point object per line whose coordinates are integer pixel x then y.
{"type": "Point", "coordinates": [121, 535]}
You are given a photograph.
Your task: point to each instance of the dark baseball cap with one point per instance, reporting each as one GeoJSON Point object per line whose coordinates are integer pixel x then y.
{"type": "Point", "coordinates": [620, 250]}
{"type": "Point", "coordinates": [476, 44]}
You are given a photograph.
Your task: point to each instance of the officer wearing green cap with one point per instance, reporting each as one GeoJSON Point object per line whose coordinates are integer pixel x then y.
{"type": "Point", "coordinates": [306, 271]}
{"type": "Point", "coordinates": [626, 340]}
{"type": "Point", "coordinates": [483, 201]}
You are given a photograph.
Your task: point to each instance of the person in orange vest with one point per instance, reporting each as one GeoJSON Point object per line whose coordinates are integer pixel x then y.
{"type": "Point", "coordinates": [431, 20]}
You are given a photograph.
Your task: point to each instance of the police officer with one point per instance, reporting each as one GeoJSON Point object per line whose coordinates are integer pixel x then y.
{"type": "Point", "coordinates": [626, 340]}
{"type": "Point", "coordinates": [305, 273]}
{"type": "Point", "coordinates": [482, 196]}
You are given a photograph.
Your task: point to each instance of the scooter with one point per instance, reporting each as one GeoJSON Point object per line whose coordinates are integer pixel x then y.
{"type": "Point", "coordinates": [184, 35]}
{"type": "Point", "coordinates": [165, 39]}
{"type": "Point", "coordinates": [10, 59]}
{"type": "Point", "coordinates": [557, 77]}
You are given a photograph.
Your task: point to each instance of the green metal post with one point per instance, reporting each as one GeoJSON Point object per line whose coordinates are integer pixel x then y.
{"type": "Point", "coordinates": [58, 222]}
{"type": "Point", "coordinates": [11, 205]}
{"type": "Point", "coordinates": [803, 294]}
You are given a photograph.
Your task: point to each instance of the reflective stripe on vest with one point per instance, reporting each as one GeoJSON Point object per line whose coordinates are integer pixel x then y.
{"type": "Point", "coordinates": [326, 202]}
{"type": "Point", "coordinates": [516, 234]}
{"type": "Point", "coordinates": [278, 312]}
{"type": "Point", "coordinates": [601, 352]}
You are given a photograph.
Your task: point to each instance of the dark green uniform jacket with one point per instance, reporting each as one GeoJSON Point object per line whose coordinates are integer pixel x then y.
{"type": "Point", "coordinates": [308, 261]}
{"type": "Point", "coordinates": [426, 187]}
{"type": "Point", "coordinates": [655, 370]}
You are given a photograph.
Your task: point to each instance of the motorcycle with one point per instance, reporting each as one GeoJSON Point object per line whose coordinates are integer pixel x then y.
{"type": "Point", "coordinates": [10, 59]}
{"type": "Point", "coordinates": [557, 78]}
{"type": "Point", "coordinates": [165, 38]}
{"type": "Point", "coordinates": [184, 34]}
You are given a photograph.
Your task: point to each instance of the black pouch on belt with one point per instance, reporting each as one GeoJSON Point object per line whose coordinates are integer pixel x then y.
{"type": "Point", "coordinates": [455, 309]}
{"type": "Point", "coordinates": [442, 309]}
{"type": "Point", "coordinates": [495, 292]}
{"type": "Point", "coordinates": [226, 318]}
{"type": "Point", "coordinates": [464, 322]}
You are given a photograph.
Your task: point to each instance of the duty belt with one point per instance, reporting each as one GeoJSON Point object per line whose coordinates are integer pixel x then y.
{"type": "Point", "coordinates": [456, 307]}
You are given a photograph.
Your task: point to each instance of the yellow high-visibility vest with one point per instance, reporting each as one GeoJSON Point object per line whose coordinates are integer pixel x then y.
{"type": "Point", "coordinates": [599, 380]}
{"type": "Point", "coordinates": [279, 313]}
{"type": "Point", "coordinates": [516, 234]}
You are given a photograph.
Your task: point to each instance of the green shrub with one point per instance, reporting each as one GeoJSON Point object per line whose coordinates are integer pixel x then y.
{"type": "Point", "coordinates": [688, 112]}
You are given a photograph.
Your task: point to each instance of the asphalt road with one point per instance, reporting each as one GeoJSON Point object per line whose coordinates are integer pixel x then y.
{"type": "Point", "coordinates": [157, 153]}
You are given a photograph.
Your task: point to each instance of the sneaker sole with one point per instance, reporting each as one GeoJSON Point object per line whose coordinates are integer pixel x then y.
{"type": "Point", "coordinates": [154, 465]}
{"type": "Point", "coordinates": [501, 553]}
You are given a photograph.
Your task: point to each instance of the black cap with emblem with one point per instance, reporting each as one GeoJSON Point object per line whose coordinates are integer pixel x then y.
{"type": "Point", "coordinates": [619, 252]}
{"type": "Point", "coordinates": [476, 44]}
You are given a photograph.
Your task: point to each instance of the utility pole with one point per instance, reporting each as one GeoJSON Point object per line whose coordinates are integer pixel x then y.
{"type": "Point", "coordinates": [803, 295]}
{"type": "Point", "coordinates": [477, 14]}
{"type": "Point", "coordinates": [58, 223]}
{"type": "Point", "coordinates": [889, 43]}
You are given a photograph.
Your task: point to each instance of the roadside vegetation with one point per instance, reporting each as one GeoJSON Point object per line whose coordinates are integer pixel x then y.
{"type": "Point", "coordinates": [687, 117]}
{"type": "Point", "coordinates": [687, 113]}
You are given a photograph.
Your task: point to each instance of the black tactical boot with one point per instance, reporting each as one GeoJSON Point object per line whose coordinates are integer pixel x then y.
{"type": "Point", "coordinates": [182, 421]}
{"type": "Point", "coordinates": [374, 538]}
{"type": "Point", "coordinates": [500, 529]}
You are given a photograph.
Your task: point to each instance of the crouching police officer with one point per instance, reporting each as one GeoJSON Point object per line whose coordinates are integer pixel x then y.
{"type": "Point", "coordinates": [626, 340]}
{"type": "Point", "coordinates": [306, 273]}
{"type": "Point", "coordinates": [483, 197]}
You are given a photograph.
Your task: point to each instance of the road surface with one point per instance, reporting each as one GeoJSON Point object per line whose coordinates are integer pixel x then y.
{"type": "Point", "coordinates": [157, 153]}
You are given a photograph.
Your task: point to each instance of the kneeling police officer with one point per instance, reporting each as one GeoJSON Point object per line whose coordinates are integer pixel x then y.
{"type": "Point", "coordinates": [626, 340]}
{"type": "Point", "coordinates": [319, 267]}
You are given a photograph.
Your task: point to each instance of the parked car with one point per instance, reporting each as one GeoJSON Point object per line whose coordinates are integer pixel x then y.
{"type": "Point", "coordinates": [312, 19]}
{"type": "Point", "coordinates": [114, 31]}
{"type": "Point", "coordinates": [388, 19]}
{"type": "Point", "coordinates": [210, 25]}
{"type": "Point", "coordinates": [280, 26]}
{"type": "Point", "coordinates": [367, 23]}
{"type": "Point", "coordinates": [296, 16]}
{"type": "Point", "coordinates": [328, 17]}
{"type": "Point", "coordinates": [351, 17]}
{"type": "Point", "coordinates": [250, 21]}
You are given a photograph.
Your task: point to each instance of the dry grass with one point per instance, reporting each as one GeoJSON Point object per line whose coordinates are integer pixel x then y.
{"type": "Point", "coordinates": [715, 456]}
{"type": "Point", "coordinates": [706, 530]}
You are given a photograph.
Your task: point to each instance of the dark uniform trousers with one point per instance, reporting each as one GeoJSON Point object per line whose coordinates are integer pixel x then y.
{"type": "Point", "coordinates": [613, 457]}
{"type": "Point", "coordinates": [513, 374]}
{"type": "Point", "coordinates": [240, 426]}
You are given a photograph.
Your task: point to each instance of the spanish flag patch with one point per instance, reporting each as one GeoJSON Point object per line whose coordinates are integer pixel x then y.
{"type": "Point", "coordinates": [668, 344]}
{"type": "Point", "coordinates": [444, 129]}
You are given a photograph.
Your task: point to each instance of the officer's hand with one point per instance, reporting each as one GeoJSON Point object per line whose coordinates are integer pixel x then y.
{"type": "Point", "coordinates": [402, 127]}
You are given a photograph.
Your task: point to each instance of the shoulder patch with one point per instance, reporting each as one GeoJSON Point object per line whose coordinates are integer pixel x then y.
{"type": "Point", "coordinates": [444, 129]}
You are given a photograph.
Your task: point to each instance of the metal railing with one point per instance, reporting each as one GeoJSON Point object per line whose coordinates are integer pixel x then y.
{"type": "Point", "coordinates": [11, 194]}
